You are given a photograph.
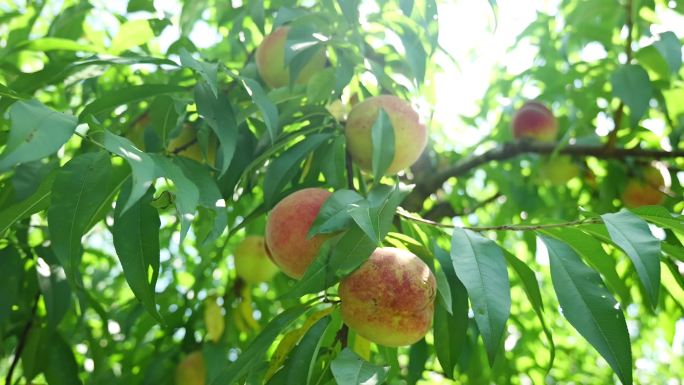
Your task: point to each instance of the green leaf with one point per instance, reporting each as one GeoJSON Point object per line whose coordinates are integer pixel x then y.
{"type": "Point", "coordinates": [115, 98]}
{"type": "Point", "coordinates": [136, 240]}
{"type": "Point", "coordinates": [12, 267]}
{"type": "Point", "coordinates": [593, 252]}
{"type": "Point", "coordinates": [142, 165]}
{"type": "Point", "coordinates": [284, 167]}
{"type": "Point", "coordinates": [531, 288]}
{"type": "Point", "coordinates": [590, 308]}
{"type": "Point", "coordinates": [480, 265]}
{"type": "Point", "coordinates": [632, 85]}
{"type": "Point", "coordinates": [35, 354]}
{"type": "Point", "coordinates": [218, 113]}
{"type": "Point", "coordinates": [76, 195]}
{"type": "Point", "coordinates": [36, 132]}
{"type": "Point", "coordinates": [268, 109]}
{"type": "Point", "coordinates": [321, 86]}
{"type": "Point", "coordinates": [303, 358]}
{"type": "Point", "coordinates": [661, 217]}
{"type": "Point", "coordinates": [131, 34]}
{"type": "Point", "coordinates": [61, 368]}
{"type": "Point", "coordinates": [209, 193]}
{"type": "Point", "coordinates": [333, 215]}
{"type": "Point", "coordinates": [450, 329]}
{"type": "Point", "coordinates": [350, 369]}
{"type": "Point", "coordinates": [382, 138]}
{"type": "Point", "coordinates": [360, 213]}
{"type": "Point", "coordinates": [418, 355]}
{"type": "Point", "coordinates": [38, 201]}
{"type": "Point", "coordinates": [53, 285]}
{"type": "Point", "coordinates": [443, 288]}
{"type": "Point", "coordinates": [633, 236]}
{"type": "Point", "coordinates": [187, 192]}
{"type": "Point", "coordinates": [208, 71]}
{"type": "Point", "coordinates": [415, 53]}
{"type": "Point", "coordinates": [670, 48]}
{"type": "Point", "coordinates": [163, 116]}
{"type": "Point", "coordinates": [259, 346]}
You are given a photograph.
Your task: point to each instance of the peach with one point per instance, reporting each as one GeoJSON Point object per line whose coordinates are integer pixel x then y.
{"type": "Point", "coordinates": [193, 151]}
{"type": "Point", "coordinates": [410, 136]}
{"type": "Point", "coordinates": [559, 170]}
{"type": "Point", "coordinates": [252, 264]}
{"type": "Point", "coordinates": [535, 121]}
{"type": "Point", "coordinates": [389, 300]}
{"type": "Point", "coordinates": [270, 61]}
{"type": "Point", "coordinates": [191, 370]}
{"type": "Point", "coordinates": [286, 230]}
{"type": "Point", "coordinates": [644, 191]}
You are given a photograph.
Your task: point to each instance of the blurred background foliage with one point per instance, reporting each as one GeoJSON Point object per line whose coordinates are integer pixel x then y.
{"type": "Point", "coordinates": [611, 72]}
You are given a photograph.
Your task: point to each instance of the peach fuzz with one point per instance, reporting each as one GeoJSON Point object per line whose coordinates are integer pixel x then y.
{"type": "Point", "coordinates": [270, 61]}
{"type": "Point", "coordinates": [410, 135]}
{"type": "Point", "coordinates": [286, 230]}
{"type": "Point", "coordinates": [535, 121]}
{"type": "Point", "coordinates": [389, 300]}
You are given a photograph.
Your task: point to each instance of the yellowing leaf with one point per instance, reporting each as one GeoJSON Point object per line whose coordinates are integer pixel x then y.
{"type": "Point", "coordinates": [290, 340]}
{"type": "Point", "coordinates": [362, 347]}
{"type": "Point", "coordinates": [213, 319]}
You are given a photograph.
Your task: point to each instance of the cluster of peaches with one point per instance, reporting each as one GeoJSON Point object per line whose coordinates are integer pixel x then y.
{"type": "Point", "coordinates": [534, 121]}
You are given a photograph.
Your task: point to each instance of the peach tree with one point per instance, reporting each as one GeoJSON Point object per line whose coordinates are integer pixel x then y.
{"type": "Point", "coordinates": [259, 192]}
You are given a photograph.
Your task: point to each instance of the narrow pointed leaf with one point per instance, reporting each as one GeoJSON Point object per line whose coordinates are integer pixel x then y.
{"type": "Point", "coordinates": [187, 194]}
{"type": "Point", "coordinates": [479, 263]}
{"type": "Point", "coordinates": [590, 308]}
{"type": "Point", "coordinates": [76, 196]}
{"type": "Point", "coordinates": [633, 236]}
{"type": "Point", "coordinates": [218, 113]}
{"type": "Point", "coordinates": [136, 241]}
{"type": "Point", "coordinates": [382, 139]}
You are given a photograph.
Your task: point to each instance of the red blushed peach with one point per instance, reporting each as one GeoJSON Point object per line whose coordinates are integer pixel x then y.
{"type": "Point", "coordinates": [270, 61]}
{"type": "Point", "coordinates": [644, 191]}
{"type": "Point", "coordinates": [535, 121]}
{"type": "Point", "coordinates": [287, 227]}
{"type": "Point", "coordinates": [410, 135]}
{"type": "Point", "coordinates": [389, 300]}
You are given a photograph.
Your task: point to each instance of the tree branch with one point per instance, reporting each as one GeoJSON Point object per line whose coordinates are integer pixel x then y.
{"type": "Point", "coordinates": [431, 183]}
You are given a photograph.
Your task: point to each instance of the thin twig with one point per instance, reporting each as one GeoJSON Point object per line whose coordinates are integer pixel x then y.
{"type": "Point", "coordinates": [22, 341]}
{"type": "Point", "coordinates": [404, 214]}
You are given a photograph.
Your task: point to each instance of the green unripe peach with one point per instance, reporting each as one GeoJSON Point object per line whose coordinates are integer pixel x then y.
{"type": "Point", "coordinates": [270, 61]}
{"type": "Point", "coordinates": [252, 263]}
{"type": "Point", "coordinates": [287, 227]}
{"type": "Point", "coordinates": [535, 121]}
{"type": "Point", "coordinates": [389, 300]}
{"type": "Point", "coordinates": [559, 170]}
{"type": "Point", "coordinates": [410, 135]}
{"type": "Point", "coordinates": [191, 370]}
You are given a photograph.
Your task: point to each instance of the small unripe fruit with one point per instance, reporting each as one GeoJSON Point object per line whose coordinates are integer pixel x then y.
{"type": "Point", "coordinates": [389, 300]}
{"type": "Point", "coordinates": [252, 264]}
{"type": "Point", "coordinates": [559, 170]}
{"type": "Point", "coordinates": [186, 144]}
{"type": "Point", "coordinates": [410, 135]}
{"type": "Point", "coordinates": [191, 371]}
{"type": "Point", "coordinates": [535, 121]}
{"type": "Point", "coordinates": [270, 61]}
{"type": "Point", "coordinates": [287, 227]}
{"type": "Point", "coordinates": [644, 191]}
